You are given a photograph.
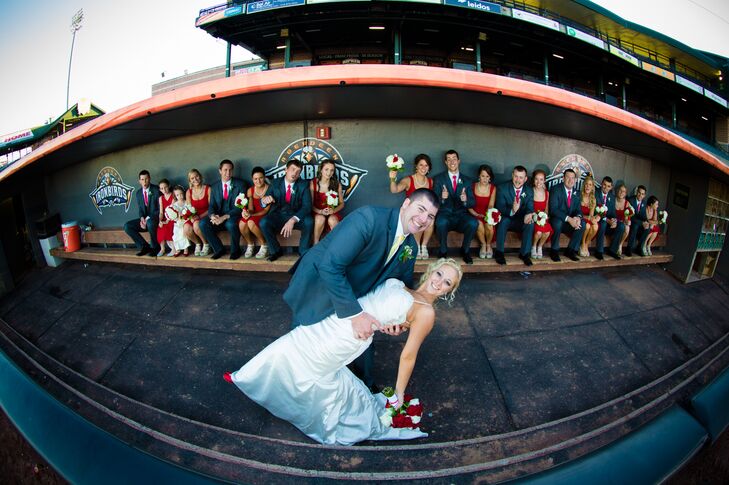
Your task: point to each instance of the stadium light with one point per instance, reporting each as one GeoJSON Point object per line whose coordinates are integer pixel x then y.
{"type": "Point", "coordinates": [377, 27]}
{"type": "Point", "coordinates": [75, 27]}
{"type": "Point", "coordinates": [557, 56]}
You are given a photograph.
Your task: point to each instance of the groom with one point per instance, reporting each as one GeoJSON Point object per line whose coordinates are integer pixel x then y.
{"type": "Point", "coordinates": [369, 246]}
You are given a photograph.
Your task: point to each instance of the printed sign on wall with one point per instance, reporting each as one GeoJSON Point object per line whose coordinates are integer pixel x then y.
{"type": "Point", "coordinates": [576, 162]}
{"type": "Point", "coordinates": [311, 151]}
{"type": "Point", "coordinates": [111, 191]}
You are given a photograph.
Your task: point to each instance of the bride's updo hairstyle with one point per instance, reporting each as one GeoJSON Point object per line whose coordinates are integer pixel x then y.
{"type": "Point", "coordinates": [451, 295]}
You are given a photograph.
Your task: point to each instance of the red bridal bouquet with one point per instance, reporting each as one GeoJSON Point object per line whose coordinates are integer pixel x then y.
{"type": "Point", "coordinates": [406, 416]}
{"type": "Point", "coordinates": [493, 216]}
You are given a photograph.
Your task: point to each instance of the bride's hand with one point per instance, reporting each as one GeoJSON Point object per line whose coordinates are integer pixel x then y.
{"type": "Point", "coordinates": [364, 325]}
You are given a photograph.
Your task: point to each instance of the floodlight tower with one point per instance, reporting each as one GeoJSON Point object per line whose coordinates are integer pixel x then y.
{"type": "Point", "coordinates": [75, 27]}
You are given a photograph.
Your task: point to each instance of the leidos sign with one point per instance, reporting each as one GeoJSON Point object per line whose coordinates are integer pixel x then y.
{"type": "Point", "coordinates": [311, 151]}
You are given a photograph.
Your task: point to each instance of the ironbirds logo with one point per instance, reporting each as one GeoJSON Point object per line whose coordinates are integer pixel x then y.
{"type": "Point", "coordinates": [311, 151]}
{"type": "Point", "coordinates": [578, 163]}
{"type": "Point", "coordinates": [111, 190]}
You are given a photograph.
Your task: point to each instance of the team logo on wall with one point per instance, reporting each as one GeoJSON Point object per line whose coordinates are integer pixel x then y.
{"type": "Point", "coordinates": [111, 191]}
{"type": "Point", "coordinates": [578, 163]}
{"type": "Point", "coordinates": [311, 151]}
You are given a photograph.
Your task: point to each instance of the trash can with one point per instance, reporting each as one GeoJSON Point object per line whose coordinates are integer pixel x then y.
{"type": "Point", "coordinates": [48, 226]}
{"type": "Point", "coordinates": [71, 236]}
{"type": "Point", "coordinates": [46, 245]}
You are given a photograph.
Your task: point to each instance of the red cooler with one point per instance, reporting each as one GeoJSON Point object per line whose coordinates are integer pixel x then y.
{"type": "Point", "coordinates": [71, 236]}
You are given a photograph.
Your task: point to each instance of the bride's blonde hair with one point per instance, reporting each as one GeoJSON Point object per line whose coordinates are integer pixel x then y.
{"type": "Point", "coordinates": [451, 295]}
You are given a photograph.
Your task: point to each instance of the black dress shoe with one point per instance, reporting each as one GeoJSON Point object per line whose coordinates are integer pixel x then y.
{"type": "Point", "coordinates": [274, 256]}
{"type": "Point", "coordinates": [612, 254]}
{"type": "Point", "coordinates": [144, 250]}
{"type": "Point", "coordinates": [598, 256]}
{"type": "Point", "coordinates": [527, 260]}
{"type": "Point", "coordinates": [467, 258]}
{"type": "Point", "coordinates": [235, 255]}
{"type": "Point", "coordinates": [554, 255]}
{"type": "Point", "coordinates": [218, 254]}
{"type": "Point", "coordinates": [499, 257]}
{"type": "Point", "coordinates": [442, 254]}
{"type": "Point", "coordinates": [571, 255]}
{"type": "Point", "coordinates": [628, 252]}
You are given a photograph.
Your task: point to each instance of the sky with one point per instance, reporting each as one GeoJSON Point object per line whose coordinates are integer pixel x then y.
{"type": "Point", "coordinates": [124, 46]}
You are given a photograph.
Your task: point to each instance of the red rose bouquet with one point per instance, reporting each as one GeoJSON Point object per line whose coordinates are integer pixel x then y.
{"type": "Point", "coordinates": [408, 415]}
{"type": "Point", "coordinates": [493, 216]}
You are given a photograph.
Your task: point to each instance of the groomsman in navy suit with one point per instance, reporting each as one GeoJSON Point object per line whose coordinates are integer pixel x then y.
{"type": "Point", "coordinates": [565, 215]}
{"type": "Point", "coordinates": [223, 214]}
{"type": "Point", "coordinates": [609, 223]}
{"type": "Point", "coordinates": [515, 201]}
{"type": "Point", "coordinates": [638, 223]}
{"type": "Point", "coordinates": [290, 201]}
{"type": "Point", "coordinates": [148, 201]}
{"type": "Point", "coordinates": [369, 246]}
{"type": "Point", "coordinates": [456, 197]}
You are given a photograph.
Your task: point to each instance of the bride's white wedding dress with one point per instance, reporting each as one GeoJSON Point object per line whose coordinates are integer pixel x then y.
{"type": "Point", "coordinates": [302, 377]}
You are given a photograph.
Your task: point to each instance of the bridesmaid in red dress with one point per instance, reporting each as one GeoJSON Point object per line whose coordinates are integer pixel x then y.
{"type": "Point", "coordinates": [541, 204]}
{"type": "Point", "coordinates": [325, 216]}
{"type": "Point", "coordinates": [485, 193]}
{"type": "Point", "coordinates": [250, 221]}
{"type": "Point", "coordinates": [621, 203]}
{"type": "Point", "coordinates": [164, 233]}
{"type": "Point", "coordinates": [198, 196]}
{"type": "Point", "coordinates": [651, 216]}
{"type": "Point", "coordinates": [588, 204]}
{"type": "Point", "coordinates": [418, 180]}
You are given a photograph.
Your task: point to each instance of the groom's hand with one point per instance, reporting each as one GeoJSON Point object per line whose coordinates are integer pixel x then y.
{"type": "Point", "coordinates": [364, 325]}
{"type": "Point", "coordinates": [393, 330]}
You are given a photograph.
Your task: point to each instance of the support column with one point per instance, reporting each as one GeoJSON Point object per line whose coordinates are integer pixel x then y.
{"type": "Point", "coordinates": [227, 61]}
{"type": "Point", "coordinates": [674, 118]}
{"type": "Point", "coordinates": [546, 69]}
{"type": "Point", "coordinates": [625, 101]}
{"type": "Point", "coordinates": [287, 53]}
{"type": "Point", "coordinates": [398, 48]}
{"type": "Point", "coordinates": [478, 56]}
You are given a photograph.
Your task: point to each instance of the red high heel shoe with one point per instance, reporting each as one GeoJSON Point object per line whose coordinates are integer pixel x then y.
{"type": "Point", "coordinates": [228, 377]}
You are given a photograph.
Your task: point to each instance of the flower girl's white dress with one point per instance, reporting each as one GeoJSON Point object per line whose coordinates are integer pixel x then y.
{"type": "Point", "coordinates": [302, 377]}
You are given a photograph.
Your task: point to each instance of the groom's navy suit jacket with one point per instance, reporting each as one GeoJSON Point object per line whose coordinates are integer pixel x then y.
{"type": "Point", "coordinates": [300, 205]}
{"type": "Point", "coordinates": [558, 208]}
{"type": "Point", "coordinates": [347, 264]}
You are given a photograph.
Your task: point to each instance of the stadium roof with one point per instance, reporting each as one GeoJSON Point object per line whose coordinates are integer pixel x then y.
{"type": "Point", "coordinates": [230, 22]}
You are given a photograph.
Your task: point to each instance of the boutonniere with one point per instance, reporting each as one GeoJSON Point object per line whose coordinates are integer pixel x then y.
{"type": "Point", "coordinates": [521, 196]}
{"type": "Point", "coordinates": [406, 254]}
{"type": "Point", "coordinates": [460, 182]}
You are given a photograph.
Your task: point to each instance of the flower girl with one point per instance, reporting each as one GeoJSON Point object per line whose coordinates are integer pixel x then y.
{"type": "Point", "coordinates": [179, 212]}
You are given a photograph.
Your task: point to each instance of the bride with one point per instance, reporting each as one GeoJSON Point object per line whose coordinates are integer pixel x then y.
{"type": "Point", "coordinates": [302, 377]}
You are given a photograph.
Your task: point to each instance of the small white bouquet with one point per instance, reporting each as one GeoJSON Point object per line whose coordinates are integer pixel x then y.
{"type": "Point", "coordinates": [171, 214]}
{"type": "Point", "coordinates": [241, 201]}
{"type": "Point", "coordinates": [332, 199]}
{"type": "Point", "coordinates": [540, 218]}
{"type": "Point", "coordinates": [493, 216]}
{"type": "Point", "coordinates": [394, 162]}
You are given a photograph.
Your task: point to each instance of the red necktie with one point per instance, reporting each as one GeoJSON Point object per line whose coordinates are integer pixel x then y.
{"type": "Point", "coordinates": [604, 199]}
{"type": "Point", "coordinates": [455, 184]}
{"type": "Point", "coordinates": [225, 191]}
{"type": "Point", "coordinates": [518, 191]}
{"type": "Point", "coordinates": [569, 199]}
{"type": "Point", "coordinates": [146, 197]}
{"type": "Point", "coordinates": [288, 194]}
{"type": "Point", "coordinates": [638, 209]}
